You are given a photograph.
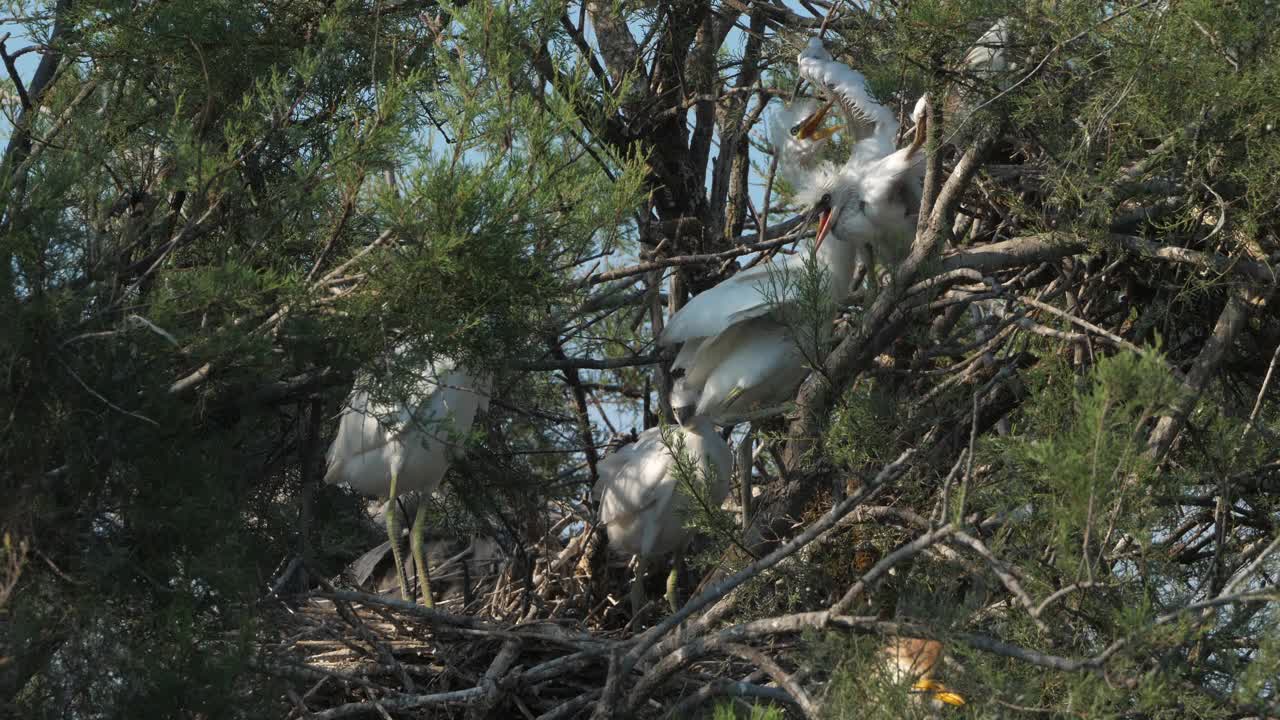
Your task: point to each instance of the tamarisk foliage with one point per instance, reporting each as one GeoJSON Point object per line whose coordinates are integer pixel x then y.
{"type": "Point", "coordinates": [1049, 440]}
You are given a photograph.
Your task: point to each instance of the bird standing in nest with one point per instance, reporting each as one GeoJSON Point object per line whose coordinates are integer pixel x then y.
{"type": "Point", "coordinates": [406, 444]}
{"type": "Point", "coordinates": [737, 352]}
{"type": "Point", "coordinates": [645, 506]}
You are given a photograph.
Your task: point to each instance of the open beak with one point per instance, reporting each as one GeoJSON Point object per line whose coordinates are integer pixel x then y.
{"type": "Point", "coordinates": [825, 133]}
{"type": "Point", "coordinates": [808, 129]}
{"type": "Point", "coordinates": [825, 220]}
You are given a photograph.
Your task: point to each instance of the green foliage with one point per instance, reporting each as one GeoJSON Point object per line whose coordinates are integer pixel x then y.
{"type": "Point", "coordinates": [694, 475]}
{"type": "Point", "coordinates": [260, 217]}
{"type": "Point", "coordinates": [860, 431]}
{"type": "Point", "coordinates": [1090, 470]}
{"type": "Point", "coordinates": [728, 711]}
{"type": "Point", "coordinates": [222, 212]}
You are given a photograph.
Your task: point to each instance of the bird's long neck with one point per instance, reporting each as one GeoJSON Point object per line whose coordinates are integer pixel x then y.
{"type": "Point", "coordinates": [698, 424]}
{"type": "Point", "coordinates": [837, 256]}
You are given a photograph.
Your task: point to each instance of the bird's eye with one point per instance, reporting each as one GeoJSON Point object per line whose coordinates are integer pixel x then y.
{"type": "Point", "coordinates": [795, 129]}
{"type": "Point", "coordinates": [826, 199]}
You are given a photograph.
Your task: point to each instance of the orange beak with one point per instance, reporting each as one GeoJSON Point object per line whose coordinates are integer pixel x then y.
{"type": "Point", "coordinates": [808, 128]}
{"type": "Point", "coordinates": [824, 133]}
{"type": "Point", "coordinates": [825, 220]}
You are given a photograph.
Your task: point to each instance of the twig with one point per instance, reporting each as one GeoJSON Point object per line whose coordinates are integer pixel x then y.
{"type": "Point", "coordinates": [780, 676]}
{"type": "Point", "coordinates": [581, 363]}
{"type": "Point", "coordinates": [826, 522]}
{"type": "Point", "coordinates": [104, 400]}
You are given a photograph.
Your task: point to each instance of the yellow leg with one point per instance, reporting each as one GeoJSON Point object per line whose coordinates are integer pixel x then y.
{"type": "Point", "coordinates": [673, 581]}
{"type": "Point", "coordinates": [393, 534]}
{"type": "Point", "coordinates": [637, 586]}
{"type": "Point", "coordinates": [416, 537]}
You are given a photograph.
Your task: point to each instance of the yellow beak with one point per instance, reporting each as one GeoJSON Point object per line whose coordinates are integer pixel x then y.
{"type": "Point", "coordinates": [808, 128]}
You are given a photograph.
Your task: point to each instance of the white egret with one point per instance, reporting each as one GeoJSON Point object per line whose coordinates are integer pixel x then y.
{"type": "Point", "coordinates": [753, 364]}
{"type": "Point", "coordinates": [737, 353]}
{"type": "Point", "coordinates": [987, 61]}
{"type": "Point", "coordinates": [644, 506]}
{"type": "Point", "coordinates": [875, 195]}
{"type": "Point", "coordinates": [406, 445]}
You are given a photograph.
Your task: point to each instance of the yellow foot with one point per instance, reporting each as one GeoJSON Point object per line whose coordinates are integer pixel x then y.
{"type": "Point", "coordinates": [939, 691]}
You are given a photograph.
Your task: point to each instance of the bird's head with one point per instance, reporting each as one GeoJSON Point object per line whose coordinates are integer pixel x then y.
{"type": "Point", "coordinates": [684, 400]}
{"type": "Point", "coordinates": [838, 206]}
{"type": "Point", "coordinates": [808, 125]}
{"type": "Point", "coordinates": [798, 138]}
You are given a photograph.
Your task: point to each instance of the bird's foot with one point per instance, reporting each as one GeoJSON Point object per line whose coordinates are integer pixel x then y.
{"type": "Point", "coordinates": [939, 691]}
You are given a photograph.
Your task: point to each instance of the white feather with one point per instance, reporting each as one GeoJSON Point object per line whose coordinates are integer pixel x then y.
{"type": "Point", "coordinates": [415, 437]}
{"type": "Point", "coordinates": [643, 509]}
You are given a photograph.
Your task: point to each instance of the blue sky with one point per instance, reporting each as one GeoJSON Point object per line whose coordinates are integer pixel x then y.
{"type": "Point", "coordinates": [623, 417]}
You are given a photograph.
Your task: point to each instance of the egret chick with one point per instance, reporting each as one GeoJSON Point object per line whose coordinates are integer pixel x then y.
{"type": "Point", "coordinates": [875, 195]}
{"type": "Point", "coordinates": [643, 504]}
{"type": "Point", "coordinates": [386, 448]}
{"type": "Point", "coordinates": [867, 206]}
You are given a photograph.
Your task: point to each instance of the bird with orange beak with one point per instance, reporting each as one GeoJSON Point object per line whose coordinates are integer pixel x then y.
{"type": "Point", "coordinates": [873, 198]}
{"type": "Point", "coordinates": [737, 354]}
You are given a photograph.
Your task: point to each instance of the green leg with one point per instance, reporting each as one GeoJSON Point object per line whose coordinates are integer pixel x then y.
{"type": "Point", "coordinates": [637, 586]}
{"type": "Point", "coordinates": [673, 581]}
{"type": "Point", "coordinates": [416, 536]}
{"type": "Point", "coordinates": [393, 534]}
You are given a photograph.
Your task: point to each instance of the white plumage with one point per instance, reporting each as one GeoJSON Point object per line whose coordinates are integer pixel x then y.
{"type": "Point", "coordinates": [875, 195]}
{"type": "Point", "coordinates": [754, 363]}
{"type": "Point", "coordinates": [643, 506]}
{"type": "Point", "coordinates": [386, 448]}
{"type": "Point", "coordinates": [798, 154]}
{"type": "Point", "coordinates": [987, 56]}
{"type": "Point", "coordinates": [737, 353]}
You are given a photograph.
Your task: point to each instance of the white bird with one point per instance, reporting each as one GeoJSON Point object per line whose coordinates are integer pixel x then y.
{"type": "Point", "coordinates": [875, 195]}
{"type": "Point", "coordinates": [799, 140]}
{"type": "Point", "coordinates": [645, 506]}
{"type": "Point", "coordinates": [407, 444]}
{"type": "Point", "coordinates": [737, 353]}
{"type": "Point", "coordinates": [987, 59]}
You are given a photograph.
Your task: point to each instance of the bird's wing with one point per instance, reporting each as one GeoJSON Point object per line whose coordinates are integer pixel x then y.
{"type": "Point", "coordinates": [895, 177]}
{"type": "Point", "coordinates": [763, 366]}
{"type": "Point", "coordinates": [688, 353]}
{"type": "Point", "coordinates": [359, 434]}
{"type": "Point", "coordinates": [987, 55]}
{"type": "Point", "coordinates": [630, 478]}
{"type": "Point", "coordinates": [738, 298]}
{"type": "Point", "coordinates": [711, 351]}
{"type": "Point", "coordinates": [849, 89]}
{"type": "Point", "coordinates": [371, 432]}
{"type": "Point", "coordinates": [450, 408]}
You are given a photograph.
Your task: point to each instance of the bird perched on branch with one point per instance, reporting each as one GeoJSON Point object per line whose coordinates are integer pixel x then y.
{"type": "Point", "coordinates": [406, 444]}
{"type": "Point", "coordinates": [649, 489]}
{"type": "Point", "coordinates": [737, 349]}
{"type": "Point", "coordinates": [875, 195]}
